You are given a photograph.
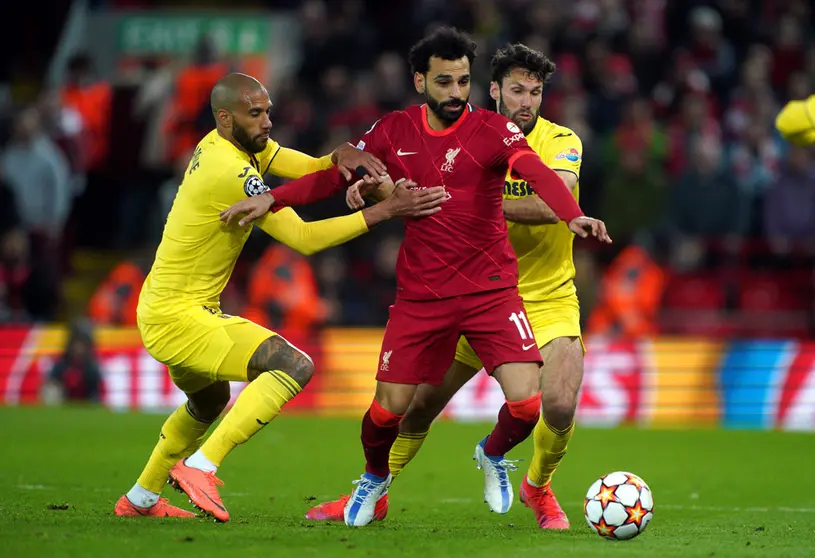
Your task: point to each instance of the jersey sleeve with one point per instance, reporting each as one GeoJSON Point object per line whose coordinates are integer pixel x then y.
{"type": "Point", "coordinates": [235, 183]}
{"type": "Point", "coordinates": [312, 237]}
{"type": "Point", "coordinates": [503, 142]}
{"type": "Point", "coordinates": [796, 122]}
{"type": "Point", "coordinates": [564, 152]}
{"type": "Point", "coordinates": [375, 141]}
{"type": "Point", "coordinates": [290, 163]}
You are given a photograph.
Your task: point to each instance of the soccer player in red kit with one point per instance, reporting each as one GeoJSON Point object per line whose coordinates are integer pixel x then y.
{"type": "Point", "coordinates": [457, 273]}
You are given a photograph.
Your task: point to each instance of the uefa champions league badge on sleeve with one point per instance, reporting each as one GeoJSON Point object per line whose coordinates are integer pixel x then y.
{"type": "Point", "coordinates": [254, 186]}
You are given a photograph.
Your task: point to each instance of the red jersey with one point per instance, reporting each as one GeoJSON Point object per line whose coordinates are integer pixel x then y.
{"type": "Point", "coordinates": [464, 248]}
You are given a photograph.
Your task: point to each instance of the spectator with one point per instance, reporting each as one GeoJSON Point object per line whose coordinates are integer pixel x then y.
{"type": "Point", "coordinates": [91, 98]}
{"type": "Point", "coordinates": [633, 197]}
{"type": "Point", "coordinates": [282, 294]}
{"type": "Point", "coordinates": [789, 212]}
{"type": "Point", "coordinates": [115, 300]}
{"type": "Point", "coordinates": [38, 174]}
{"type": "Point", "coordinates": [706, 200]}
{"type": "Point", "coordinates": [28, 291]}
{"type": "Point", "coordinates": [630, 292]}
{"type": "Point", "coordinates": [76, 375]}
{"type": "Point", "coordinates": [710, 50]}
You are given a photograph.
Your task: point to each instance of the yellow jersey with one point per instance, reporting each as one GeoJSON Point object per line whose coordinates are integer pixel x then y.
{"type": "Point", "coordinates": [796, 122]}
{"type": "Point", "coordinates": [545, 264]}
{"type": "Point", "coordinates": [198, 251]}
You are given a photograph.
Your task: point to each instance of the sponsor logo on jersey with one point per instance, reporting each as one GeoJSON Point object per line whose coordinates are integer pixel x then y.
{"type": "Point", "coordinates": [512, 139]}
{"type": "Point", "coordinates": [572, 155]}
{"type": "Point", "coordinates": [517, 188]}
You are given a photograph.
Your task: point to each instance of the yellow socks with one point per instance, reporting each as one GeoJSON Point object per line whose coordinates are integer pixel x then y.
{"type": "Point", "coordinates": [180, 436]}
{"type": "Point", "coordinates": [255, 407]}
{"type": "Point", "coordinates": [404, 449]}
{"type": "Point", "coordinates": [550, 447]}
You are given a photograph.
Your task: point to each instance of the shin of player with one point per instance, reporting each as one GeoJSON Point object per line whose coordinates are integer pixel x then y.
{"type": "Point", "coordinates": [277, 372]}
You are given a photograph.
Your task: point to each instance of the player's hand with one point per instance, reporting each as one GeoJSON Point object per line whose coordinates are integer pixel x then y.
{"type": "Point", "coordinates": [348, 159]}
{"type": "Point", "coordinates": [253, 208]}
{"type": "Point", "coordinates": [353, 198]}
{"type": "Point", "coordinates": [582, 225]}
{"type": "Point", "coordinates": [407, 202]}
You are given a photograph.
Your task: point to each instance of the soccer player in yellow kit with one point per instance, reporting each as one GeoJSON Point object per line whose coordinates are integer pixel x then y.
{"type": "Point", "coordinates": [179, 314]}
{"type": "Point", "coordinates": [796, 122]}
{"type": "Point", "coordinates": [546, 283]}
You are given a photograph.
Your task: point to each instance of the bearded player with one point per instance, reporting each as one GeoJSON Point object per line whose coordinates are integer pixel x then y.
{"type": "Point", "coordinates": [457, 273]}
{"type": "Point", "coordinates": [545, 282]}
{"type": "Point", "coordinates": [179, 315]}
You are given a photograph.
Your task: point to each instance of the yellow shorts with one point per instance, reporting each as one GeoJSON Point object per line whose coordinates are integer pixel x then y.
{"type": "Point", "coordinates": [203, 346]}
{"type": "Point", "coordinates": [548, 320]}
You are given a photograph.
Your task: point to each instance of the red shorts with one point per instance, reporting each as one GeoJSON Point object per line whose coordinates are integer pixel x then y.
{"type": "Point", "coordinates": [421, 336]}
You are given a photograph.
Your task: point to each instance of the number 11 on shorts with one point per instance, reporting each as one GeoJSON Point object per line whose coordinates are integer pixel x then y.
{"type": "Point", "coordinates": [520, 321]}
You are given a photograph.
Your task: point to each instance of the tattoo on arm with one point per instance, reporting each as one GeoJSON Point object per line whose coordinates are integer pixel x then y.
{"type": "Point", "coordinates": [276, 354]}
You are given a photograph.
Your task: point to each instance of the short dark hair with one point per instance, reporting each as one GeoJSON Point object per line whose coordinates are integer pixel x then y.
{"type": "Point", "coordinates": [447, 43]}
{"type": "Point", "coordinates": [521, 56]}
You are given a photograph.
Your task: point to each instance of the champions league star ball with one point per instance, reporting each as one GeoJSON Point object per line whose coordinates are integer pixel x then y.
{"type": "Point", "coordinates": [619, 506]}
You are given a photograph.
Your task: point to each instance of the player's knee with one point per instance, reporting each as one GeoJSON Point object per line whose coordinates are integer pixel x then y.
{"type": "Point", "coordinates": [278, 354]}
{"type": "Point", "coordinates": [419, 417]}
{"type": "Point", "coordinates": [207, 405]}
{"type": "Point", "coordinates": [302, 370]}
{"type": "Point", "coordinates": [396, 398]}
{"type": "Point", "coordinates": [558, 412]}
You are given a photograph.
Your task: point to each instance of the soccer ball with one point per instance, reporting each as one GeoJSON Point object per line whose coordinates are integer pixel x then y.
{"type": "Point", "coordinates": [619, 506]}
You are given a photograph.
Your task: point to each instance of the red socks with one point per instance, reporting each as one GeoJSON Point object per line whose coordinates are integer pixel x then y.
{"type": "Point", "coordinates": [516, 420]}
{"type": "Point", "coordinates": [380, 428]}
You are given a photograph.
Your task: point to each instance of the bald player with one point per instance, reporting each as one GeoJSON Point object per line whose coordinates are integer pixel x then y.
{"type": "Point", "coordinates": [179, 314]}
{"type": "Point", "coordinates": [796, 122]}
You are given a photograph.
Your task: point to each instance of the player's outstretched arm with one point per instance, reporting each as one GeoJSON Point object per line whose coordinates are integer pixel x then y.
{"type": "Point", "coordinates": [290, 163]}
{"type": "Point", "coordinates": [549, 186]}
{"type": "Point", "coordinates": [308, 189]}
{"type": "Point", "coordinates": [310, 238]}
{"type": "Point", "coordinates": [531, 210]}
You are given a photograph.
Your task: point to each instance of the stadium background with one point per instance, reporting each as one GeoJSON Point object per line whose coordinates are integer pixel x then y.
{"type": "Point", "coordinates": [700, 314]}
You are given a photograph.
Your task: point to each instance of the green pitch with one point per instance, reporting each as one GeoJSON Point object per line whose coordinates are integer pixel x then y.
{"type": "Point", "coordinates": [716, 493]}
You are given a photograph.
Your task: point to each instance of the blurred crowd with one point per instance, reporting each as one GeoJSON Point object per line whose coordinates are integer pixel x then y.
{"type": "Point", "coordinates": [713, 214]}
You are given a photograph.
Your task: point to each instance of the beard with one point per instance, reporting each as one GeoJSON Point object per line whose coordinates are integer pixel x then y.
{"type": "Point", "coordinates": [526, 127]}
{"type": "Point", "coordinates": [447, 111]}
{"type": "Point", "coordinates": [252, 145]}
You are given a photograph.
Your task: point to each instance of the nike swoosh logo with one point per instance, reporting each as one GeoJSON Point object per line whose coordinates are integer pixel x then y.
{"type": "Point", "coordinates": [562, 135]}
{"type": "Point", "coordinates": [527, 347]}
{"type": "Point", "coordinates": [403, 153]}
{"type": "Point", "coordinates": [260, 422]}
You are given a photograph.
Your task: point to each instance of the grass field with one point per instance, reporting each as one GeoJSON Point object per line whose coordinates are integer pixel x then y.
{"type": "Point", "coordinates": [716, 493]}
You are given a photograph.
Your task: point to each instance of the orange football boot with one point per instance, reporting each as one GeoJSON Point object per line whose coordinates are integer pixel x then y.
{"type": "Point", "coordinates": [162, 508]}
{"type": "Point", "coordinates": [202, 489]}
{"type": "Point", "coordinates": [334, 510]}
{"type": "Point", "coordinates": [543, 502]}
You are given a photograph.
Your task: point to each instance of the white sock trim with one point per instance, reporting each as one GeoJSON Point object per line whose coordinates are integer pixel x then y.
{"type": "Point", "coordinates": [141, 497]}
{"type": "Point", "coordinates": [199, 461]}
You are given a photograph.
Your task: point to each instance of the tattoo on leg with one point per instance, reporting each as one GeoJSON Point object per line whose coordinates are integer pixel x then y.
{"type": "Point", "coordinates": [276, 354]}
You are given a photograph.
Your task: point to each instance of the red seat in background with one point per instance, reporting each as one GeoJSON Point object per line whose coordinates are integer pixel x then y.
{"type": "Point", "coordinates": [774, 304]}
{"type": "Point", "coordinates": [694, 304]}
